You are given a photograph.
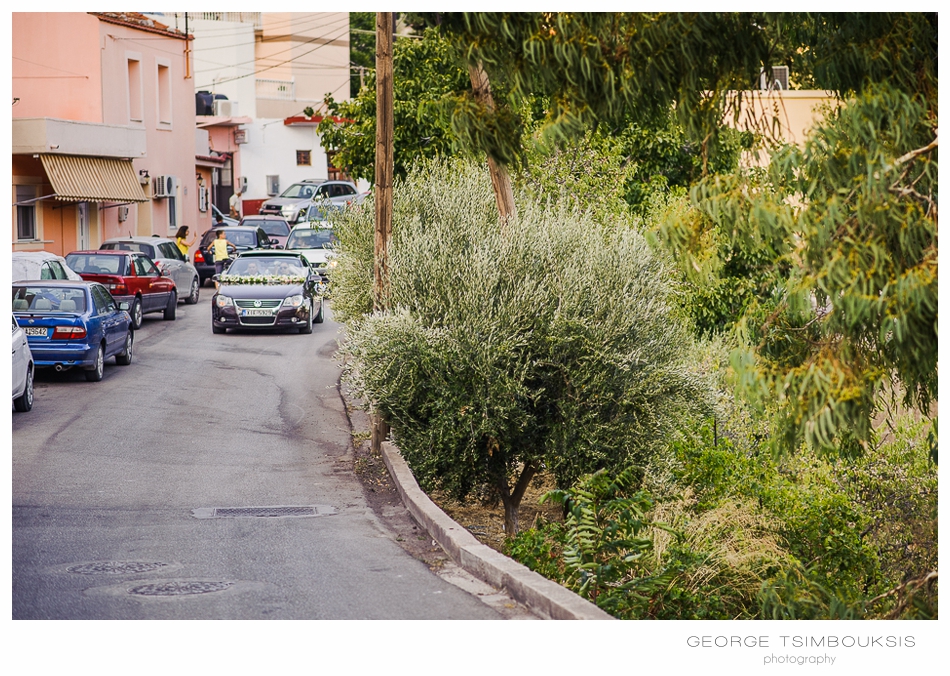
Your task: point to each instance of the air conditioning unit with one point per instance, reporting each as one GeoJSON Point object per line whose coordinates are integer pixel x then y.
{"type": "Point", "coordinates": [242, 184]}
{"type": "Point", "coordinates": [225, 108]}
{"type": "Point", "coordinates": [273, 184]}
{"type": "Point", "coordinates": [164, 186]}
{"type": "Point", "coordinates": [123, 212]}
{"type": "Point", "coordinates": [778, 81]}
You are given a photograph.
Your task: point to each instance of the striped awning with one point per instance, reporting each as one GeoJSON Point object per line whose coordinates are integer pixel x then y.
{"type": "Point", "coordinates": [92, 179]}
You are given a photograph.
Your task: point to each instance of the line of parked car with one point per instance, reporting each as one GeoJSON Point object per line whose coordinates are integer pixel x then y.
{"type": "Point", "coordinates": [79, 310]}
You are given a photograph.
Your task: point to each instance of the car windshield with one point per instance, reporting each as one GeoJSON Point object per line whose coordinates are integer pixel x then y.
{"type": "Point", "coordinates": [39, 298]}
{"type": "Point", "coordinates": [260, 265]}
{"type": "Point", "coordinates": [321, 212]}
{"type": "Point", "coordinates": [313, 238]}
{"type": "Point", "coordinates": [273, 228]}
{"type": "Point", "coordinates": [300, 191]}
{"type": "Point", "coordinates": [98, 264]}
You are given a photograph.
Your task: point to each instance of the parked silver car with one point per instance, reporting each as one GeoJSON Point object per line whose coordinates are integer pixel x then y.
{"type": "Point", "coordinates": [169, 259]}
{"type": "Point", "coordinates": [22, 370]}
{"type": "Point", "coordinates": [41, 265]}
{"type": "Point", "coordinates": [293, 203]}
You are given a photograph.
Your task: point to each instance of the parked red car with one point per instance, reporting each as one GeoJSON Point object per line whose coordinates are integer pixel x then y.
{"type": "Point", "coordinates": [130, 276]}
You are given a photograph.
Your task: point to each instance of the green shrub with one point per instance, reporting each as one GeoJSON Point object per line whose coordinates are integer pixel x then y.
{"type": "Point", "coordinates": [548, 342]}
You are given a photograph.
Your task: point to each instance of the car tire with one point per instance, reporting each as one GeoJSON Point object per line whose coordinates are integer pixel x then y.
{"type": "Point", "coordinates": [319, 318]}
{"type": "Point", "coordinates": [192, 298]}
{"type": "Point", "coordinates": [172, 308]}
{"type": "Point", "coordinates": [136, 313]}
{"type": "Point", "coordinates": [124, 358]}
{"type": "Point", "coordinates": [24, 402]}
{"type": "Point", "coordinates": [94, 375]}
{"type": "Point", "coordinates": [308, 328]}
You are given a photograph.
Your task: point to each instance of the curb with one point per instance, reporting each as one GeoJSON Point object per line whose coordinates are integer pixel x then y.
{"type": "Point", "coordinates": [542, 596]}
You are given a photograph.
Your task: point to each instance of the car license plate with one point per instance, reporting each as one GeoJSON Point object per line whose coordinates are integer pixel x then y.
{"type": "Point", "coordinates": [257, 313]}
{"type": "Point", "coordinates": [35, 331]}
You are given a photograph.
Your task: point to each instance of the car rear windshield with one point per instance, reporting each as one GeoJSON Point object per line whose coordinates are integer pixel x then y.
{"type": "Point", "coordinates": [147, 249]}
{"type": "Point", "coordinates": [98, 264]}
{"type": "Point", "coordinates": [48, 299]}
{"type": "Point", "coordinates": [271, 227]}
{"type": "Point", "coordinates": [314, 238]}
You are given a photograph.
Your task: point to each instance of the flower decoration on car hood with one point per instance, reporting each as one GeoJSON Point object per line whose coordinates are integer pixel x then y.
{"type": "Point", "coordinates": [262, 279]}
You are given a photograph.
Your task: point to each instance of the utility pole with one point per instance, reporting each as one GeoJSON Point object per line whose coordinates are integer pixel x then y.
{"type": "Point", "coordinates": [383, 188]}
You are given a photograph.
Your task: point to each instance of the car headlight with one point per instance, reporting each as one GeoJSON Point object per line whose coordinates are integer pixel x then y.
{"type": "Point", "coordinates": [294, 301]}
{"type": "Point", "coordinates": [288, 210]}
{"type": "Point", "coordinates": [332, 264]}
{"type": "Point", "coordinates": [223, 301]}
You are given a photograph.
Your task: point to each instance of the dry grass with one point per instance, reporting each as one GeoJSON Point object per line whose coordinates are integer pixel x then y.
{"type": "Point", "coordinates": [740, 542]}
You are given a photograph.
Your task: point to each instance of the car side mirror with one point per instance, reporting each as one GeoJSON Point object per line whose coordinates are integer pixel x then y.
{"type": "Point", "coordinates": [273, 241]}
{"type": "Point", "coordinates": [124, 305]}
{"type": "Point", "coordinates": [214, 278]}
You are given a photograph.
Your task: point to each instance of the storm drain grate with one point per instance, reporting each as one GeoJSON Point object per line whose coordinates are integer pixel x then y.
{"type": "Point", "coordinates": [116, 567]}
{"type": "Point", "coordinates": [179, 588]}
{"type": "Point", "coordinates": [264, 511]}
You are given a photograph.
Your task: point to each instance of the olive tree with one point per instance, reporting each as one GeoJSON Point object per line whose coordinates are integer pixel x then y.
{"type": "Point", "coordinates": [549, 344]}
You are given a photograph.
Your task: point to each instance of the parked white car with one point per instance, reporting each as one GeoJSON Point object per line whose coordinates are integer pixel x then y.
{"type": "Point", "coordinates": [169, 259]}
{"type": "Point", "coordinates": [31, 265]}
{"type": "Point", "coordinates": [22, 370]}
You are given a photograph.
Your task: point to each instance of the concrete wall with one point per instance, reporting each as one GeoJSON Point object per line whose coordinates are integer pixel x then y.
{"type": "Point", "coordinates": [313, 50]}
{"type": "Point", "coordinates": [794, 112]}
{"type": "Point", "coordinates": [170, 134]}
{"type": "Point", "coordinates": [224, 61]}
{"type": "Point", "coordinates": [56, 66]}
{"type": "Point", "coordinates": [271, 148]}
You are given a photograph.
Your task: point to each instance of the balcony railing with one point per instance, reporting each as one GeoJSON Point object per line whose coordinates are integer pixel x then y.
{"type": "Point", "coordinates": [240, 17]}
{"type": "Point", "coordinates": [277, 90]}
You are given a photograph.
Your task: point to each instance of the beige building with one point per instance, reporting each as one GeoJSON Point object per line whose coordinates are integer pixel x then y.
{"type": "Point", "coordinates": [268, 64]}
{"type": "Point", "coordinates": [780, 116]}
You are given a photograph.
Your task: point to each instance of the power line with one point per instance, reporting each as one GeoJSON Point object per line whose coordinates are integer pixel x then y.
{"type": "Point", "coordinates": [265, 69]}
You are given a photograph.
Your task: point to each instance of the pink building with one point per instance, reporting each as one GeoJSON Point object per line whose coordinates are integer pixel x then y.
{"type": "Point", "coordinates": [103, 130]}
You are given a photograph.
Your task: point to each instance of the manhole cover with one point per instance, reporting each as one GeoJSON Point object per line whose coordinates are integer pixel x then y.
{"type": "Point", "coordinates": [179, 588]}
{"type": "Point", "coordinates": [116, 567]}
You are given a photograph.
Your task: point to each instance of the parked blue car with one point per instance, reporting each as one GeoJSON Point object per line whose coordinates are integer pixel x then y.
{"type": "Point", "coordinates": [73, 324]}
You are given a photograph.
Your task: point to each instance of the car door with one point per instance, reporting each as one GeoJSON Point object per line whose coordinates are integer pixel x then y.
{"type": "Point", "coordinates": [20, 358]}
{"type": "Point", "coordinates": [156, 288]}
{"type": "Point", "coordinates": [110, 319]}
{"type": "Point", "coordinates": [174, 264]}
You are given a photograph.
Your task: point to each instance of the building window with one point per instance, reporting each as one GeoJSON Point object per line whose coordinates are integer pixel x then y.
{"type": "Point", "coordinates": [135, 90]}
{"type": "Point", "coordinates": [164, 94]}
{"type": "Point", "coordinates": [303, 158]}
{"type": "Point", "coordinates": [25, 213]}
{"type": "Point", "coordinates": [172, 204]}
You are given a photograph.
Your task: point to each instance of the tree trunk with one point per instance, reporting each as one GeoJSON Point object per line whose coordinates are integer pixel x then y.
{"type": "Point", "coordinates": [512, 499]}
{"type": "Point", "coordinates": [504, 197]}
{"type": "Point", "coordinates": [383, 189]}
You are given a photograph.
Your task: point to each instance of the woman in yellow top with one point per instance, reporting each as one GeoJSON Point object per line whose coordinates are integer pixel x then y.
{"type": "Point", "coordinates": [180, 240]}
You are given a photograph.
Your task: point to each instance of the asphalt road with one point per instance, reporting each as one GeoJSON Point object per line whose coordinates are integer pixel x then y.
{"type": "Point", "coordinates": [122, 489]}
